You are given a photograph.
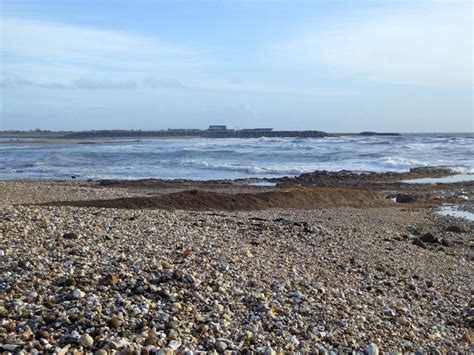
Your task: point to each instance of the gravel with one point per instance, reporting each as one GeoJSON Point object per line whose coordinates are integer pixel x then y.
{"type": "Point", "coordinates": [109, 280]}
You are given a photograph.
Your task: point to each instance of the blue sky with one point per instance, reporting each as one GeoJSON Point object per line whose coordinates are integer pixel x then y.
{"type": "Point", "coordinates": [336, 66]}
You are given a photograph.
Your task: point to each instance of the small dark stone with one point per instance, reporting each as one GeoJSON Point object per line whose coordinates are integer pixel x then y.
{"type": "Point", "coordinates": [68, 281]}
{"type": "Point", "coordinates": [464, 228]}
{"type": "Point", "coordinates": [22, 264]}
{"type": "Point", "coordinates": [401, 198]}
{"type": "Point", "coordinates": [110, 280]}
{"type": "Point", "coordinates": [113, 323]}
{"type": "Point", "coordinates": [413, 230]}
{"type": "Point", "coordinates": [419, 243]}
{"type": "Point", "coordinates": [429, 238]}
{"type": "Point", "coordinates": [70, 235]}
{"type": "Point", "coordinates": [445, 243]}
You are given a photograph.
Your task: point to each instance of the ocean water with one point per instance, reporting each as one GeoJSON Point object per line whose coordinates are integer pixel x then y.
{"type": "Point", "coordinates": [204, 159]}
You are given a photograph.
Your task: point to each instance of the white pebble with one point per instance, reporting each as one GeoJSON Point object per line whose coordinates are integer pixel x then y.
{"type": "Point", "coordinates": [372, 349]}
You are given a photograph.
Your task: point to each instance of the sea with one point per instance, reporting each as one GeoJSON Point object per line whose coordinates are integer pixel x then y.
{"type": "Point", "coordinates": [228, 158]}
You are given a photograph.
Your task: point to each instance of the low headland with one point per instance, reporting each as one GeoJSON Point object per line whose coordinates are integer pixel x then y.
{"type": "Point", "coordinates": [211, 132]}
{"type": "Point", "coordinates": [325, 261]}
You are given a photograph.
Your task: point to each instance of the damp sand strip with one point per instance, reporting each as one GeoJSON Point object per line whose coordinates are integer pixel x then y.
{"type": "Point", "coordinates": [453, 210]}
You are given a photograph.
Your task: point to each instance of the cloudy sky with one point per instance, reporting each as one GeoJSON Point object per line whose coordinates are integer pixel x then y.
{"type": "Point", "coordinates": [332, 65]}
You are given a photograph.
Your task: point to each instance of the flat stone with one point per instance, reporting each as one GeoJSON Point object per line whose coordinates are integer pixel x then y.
{"type": "Point", "coordinates": [174, 344]}
{"type": "Point", "coordinates": [429, 238]}
{"type": "Point", "coordinates": [86, 340]}
{"type": "Point", "coordinates": [220, 346]}
{"type": "Point", "coordinates": [372, 349]}
{"type": "Point", "coordinates": [419, 243]}
{"type": "Point", "coordinates": [77, 294]}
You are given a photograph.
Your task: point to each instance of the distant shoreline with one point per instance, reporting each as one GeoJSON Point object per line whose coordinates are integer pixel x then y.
{"type": "Point", "coordinates": [184, 133]}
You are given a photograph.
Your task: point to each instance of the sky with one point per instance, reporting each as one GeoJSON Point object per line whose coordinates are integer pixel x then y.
{"type": "Point", "coordinates": [336, 66]}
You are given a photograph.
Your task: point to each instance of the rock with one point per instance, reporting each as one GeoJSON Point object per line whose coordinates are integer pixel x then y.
{"type": "Point", "coordinates": [70, 236]}
{"type": "Point", "coordinates": [64, 350]}
{"type": "Point", "coordinates": [456, 228]}
{"type": "Point", "coordinates": [110, 280]}
{"type": "Point", "coordinates": [429, 238]}
{"type": "Point", "coordinates": [77, 294]}
{"type": "Point", "coordinates": [9, 347]}
{"type": "Point", "coordinates": [32, 295]}
{"type": "Point", "coordinates": [174, 344]}
{"type": "Point", "coordinates": [100, 352]}
{"type": "Point", "coordinates": [2, 253]}
{"type": "Point", "coordinates": [173, 334]}
{"type": "Point", "coordinates": [190, 278]}
{"type": "Point", "coordinates": [166, 266]}
{"type": "Point", "coordinates": [163, 317]}
{"type": "Point", "coordinates": [22, 264]}
{"type": "Point", "coordinates": [402, 198]}
{"type": "Point", "coordinates": [372, 349]}
{"type": "Point", "coordinates": [27, 333]}
{"type": "Point", "coordinates": [467, 339]}
{"type": "Point", "coordinates": [413, 230]}
{"type": "Point", "coordinates": [118, 343]}
{"type": "Point", "coordinates": [294, 341]}
{"type": "Point", "coordinates": [114, 323]}
{"type": "Point", "coordinates": [221, 346]}
{"type": "Point", "coordinates": [419, 243]}
{"type": "Point", "coordinates": [86, 340]}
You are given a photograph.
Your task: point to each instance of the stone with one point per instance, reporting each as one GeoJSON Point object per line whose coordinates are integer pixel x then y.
{"type": "Point", "coordinates": [174, 345]}
{"type": "Point", "coordinates": [467, 339]}
{"type": "Point", "coordinates": [429, 238]}
{"type": "Point", "coordinates": [419, 243]}
{"type": "Point", "coordinates": [27, 333]}
{"type": "Point", "coordinates": [190, 279]}
{"type": "Point", "coordinates": [64, 350]}
{"type": "Point", "coordinates": [9, 347]}
{"type": "Point", "coordinates": [220, 346]}
{"type": "Point", "coordinates": [294, 341]}
{"type": "Point", "coordinates": [445, 242]}
{"type": "Point", "coordinates": [70, 236]}
{"type": "Point", "coordinates": [77, 294]}
{"type": "Point", "coordinates": [413, 230]}
{"type": "Point", "coordinates": [372, 349]}
{"type": "Point", "coordinates": [114, 322]}
{"type": "Point", "coordinates": [110, 280]}
{"type": "Point", "coordinates": [173, 334]}
{"type": "Point", "coordinates": [456, 228]}
{"type": "Point", "coordinates": [86, 340]}
{"type": "Point", "coordinates": [32, 295]}
{"type": "Point", "coordinates": [166, 266]}
{"type": "Point", "coordinates": [402, 198]}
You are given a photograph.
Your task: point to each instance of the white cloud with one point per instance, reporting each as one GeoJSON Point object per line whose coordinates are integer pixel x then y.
{"type": "Point", "coordinates": [66, 49]}
{"type": "Point", "coordinates": [427, 45]}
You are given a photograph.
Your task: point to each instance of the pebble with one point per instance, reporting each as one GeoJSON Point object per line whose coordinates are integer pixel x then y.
{"type": "Point", "coordinates": [86, 340]}
{"type": "Point", "coordinates": [174, 345]}
{"type": "Point", "coordinates": [372, 349]}
{"type": "Point", "coordinates": [78, 294]}
{"type": "Point", "coordinates": [221, 346]}
{"type": "Point", "coordinates": [325, 286]}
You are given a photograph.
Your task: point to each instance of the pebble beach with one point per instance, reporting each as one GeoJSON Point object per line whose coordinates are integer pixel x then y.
{"type": "Point", "coordinates": [107, 280]}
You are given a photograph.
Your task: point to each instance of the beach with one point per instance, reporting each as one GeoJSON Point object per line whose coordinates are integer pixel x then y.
{"type": "Point", "coordinates": [114, 266]}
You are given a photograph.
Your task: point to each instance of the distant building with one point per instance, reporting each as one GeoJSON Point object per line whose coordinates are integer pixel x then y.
{"type": "Point", "coordinates": [183, 130]}
{"type": "Point", "coordinates": [217, 128]}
